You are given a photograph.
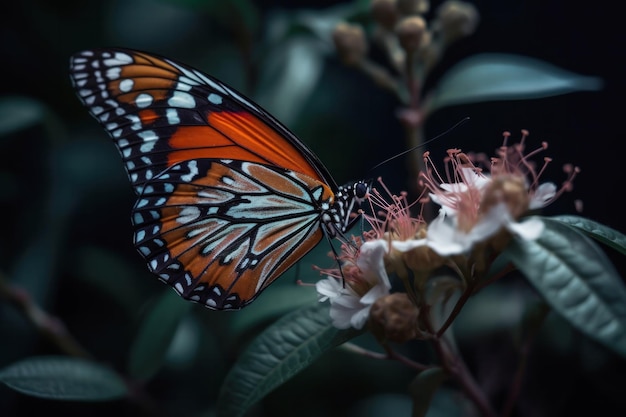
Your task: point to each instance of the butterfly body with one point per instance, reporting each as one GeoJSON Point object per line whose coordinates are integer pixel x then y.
{"type": "Point", "coordinates": [227, 197]}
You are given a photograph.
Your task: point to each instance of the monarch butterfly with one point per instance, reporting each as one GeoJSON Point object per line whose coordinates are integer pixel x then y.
{"type": "Point", "coordinates": [227, 197]}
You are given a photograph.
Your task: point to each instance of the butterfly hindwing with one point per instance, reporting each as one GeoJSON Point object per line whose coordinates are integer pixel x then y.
{"type": "Point", "coordinates": [221, 231]}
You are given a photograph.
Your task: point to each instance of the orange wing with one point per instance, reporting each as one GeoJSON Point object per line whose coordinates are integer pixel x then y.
{"type": "Point", "coordinates": [221, 232]}
{"type": "Point", "coordinates": [160, 112]}
{"type": "Point", "coordinates": [228, 198]}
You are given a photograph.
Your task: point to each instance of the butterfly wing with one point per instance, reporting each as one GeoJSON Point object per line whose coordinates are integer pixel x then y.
{"type": "Point", "coordinates": [160, 112]}
{"type": "Point", "coordinates": [220, 232]}
{"type": "Point", "coordinates": [228, 198]}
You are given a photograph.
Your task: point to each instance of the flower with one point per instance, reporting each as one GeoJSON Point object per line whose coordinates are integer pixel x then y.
{"type": "Point", "coordinates": [482, 205]}
{"type": "Point", "coordinates": [363, 282]}
{"type": "Point", "coordinates": [476, 206]}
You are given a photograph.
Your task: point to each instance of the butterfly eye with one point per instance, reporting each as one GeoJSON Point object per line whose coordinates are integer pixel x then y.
{"type": "Point", "coordinates": [361, 189]}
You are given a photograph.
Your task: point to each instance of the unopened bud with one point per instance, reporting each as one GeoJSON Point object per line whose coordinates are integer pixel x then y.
{"type": "Point", "coordinates": [384, 13]}
{"type": "Point", "coordinates": [350, 43]}
{"type": "Point", "coordinates": [422, 259]}
{"type": "Point", "coordinates": [456, 20]}
{"type": "Point", "coordinates": [509, 190]}
{"type": "Point", "coordinates": [394, 318]}
{"type": "Point", "coordinates": [410, 33]}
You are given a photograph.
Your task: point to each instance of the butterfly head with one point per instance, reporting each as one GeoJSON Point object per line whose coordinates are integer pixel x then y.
{"type": "Point", "coordinates": [348, 199]}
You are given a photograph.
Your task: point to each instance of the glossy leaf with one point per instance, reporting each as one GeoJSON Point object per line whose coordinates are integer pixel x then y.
{"type": "Point", "coordinates": [18, 113]}
{"type": "Point", "coordinates": [276, 302]}
{"type": "Point", "coordinates": [63, 378]}
{"type": "Point", "coordinates": [600, 232]}
{"type": "Point", "coordinates": [285, 348]}
{"type": "Point", "coordinates": [495, 77]}
{"type": "Point", "coordinates": [156, 334]}
{"type": "Point", "coordinates": [577, 280]}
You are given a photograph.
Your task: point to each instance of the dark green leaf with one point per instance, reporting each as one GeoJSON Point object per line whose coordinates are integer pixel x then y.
{"type": "Point", "coordinates": [289, 76]}
{"type": "Point", "coordinates": [578, 281]}
{"type": "Point", "coordinates": [275, 302]}
{"type": "Point", "coordinates": [156, 334]}
{"type": "Point", "coordinates": [423, 389]}
{"type": "Point", "coordinates": [281, 351]}
{"type": "Point", "coordinates": [18, 113]}
{"type": "Point", "coordinates": [494, 77]}
{"type": "Point", "coordinates": [602, 233]}
{"type": "Point", "coordinates": [64, 378]}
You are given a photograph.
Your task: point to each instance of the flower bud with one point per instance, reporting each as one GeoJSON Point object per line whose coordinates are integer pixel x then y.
{"type": "Point", "coordinates": [409, 7]}
{"type": "Point", "coordinates": [410, 33]}
{"type": "Point", "coordinates": [384, 13]}
{"type": "Point", "coordinates": [456, 20]}
{"type": "Point", "coordinates": [350, 43]}
{"type": "Point", "coordinates": [394, 318]}
{"type": "Point", "coordinates": [422, 259]}
{"type": "Point", "coordinates": [508, 189]}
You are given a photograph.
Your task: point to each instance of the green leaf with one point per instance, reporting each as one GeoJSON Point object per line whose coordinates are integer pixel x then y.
{"type": "Point", "coordinates": [64, 378]}
{"type": "Point", "coordinates": [281, 351]}
{"type": "Point", "coordinates": [19, 113]}
{"type": "Point", "coordinates": [577, 279]}
{"type": "Point", "coordinates": [495, 77]}
{"type": "Point", "coordinates": [275, 302]}
{"type": "Point", "coordinates": [600, 232]}
{"type": "Point", "coordinates": [423, 389]}
{"type": "Point", "coordinates": [156, 334]}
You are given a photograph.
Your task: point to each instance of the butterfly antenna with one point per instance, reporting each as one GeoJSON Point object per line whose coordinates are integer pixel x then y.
{"type": "Point", "coordinates": [459, 123]}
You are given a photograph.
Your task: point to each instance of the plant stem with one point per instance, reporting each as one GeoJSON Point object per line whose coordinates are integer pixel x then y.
{"type": "Point", "coordinates": [390, 355]}
{"type": "Point", "coordinates": [48, 325]}
{"type": "Point", "coordinates": [458, 370]}
{"type": "Point", "coordinates": [469, 290]}
{"type": "Point", "coordinates": [455, 365]}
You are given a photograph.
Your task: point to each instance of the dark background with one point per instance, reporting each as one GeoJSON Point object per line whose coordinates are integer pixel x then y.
{"type": "Point", "coordinates": [65, 200]}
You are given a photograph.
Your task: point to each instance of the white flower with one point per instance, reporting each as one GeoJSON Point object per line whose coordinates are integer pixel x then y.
{"type": "Point", "coordinates": [445, 238]}
{"type": "Point", "coordinates": [352, 298]}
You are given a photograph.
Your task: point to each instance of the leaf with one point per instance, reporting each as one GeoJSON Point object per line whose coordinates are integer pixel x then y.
{"type": "Point", "coordinates": [64, 378]}
{"type": "Point", "coordinates": [289, 76]}
{"type": "Point", "coordinates": [280, 352]}
{"type": "Point", "coordinates": [274, 303]}
{"type": "Point", "coordinates": [494, 77]}
{"type": "Point", "coordinates": [423, 389]}
{"type": "Point", "coordinates": [578, 281]}
{"type": "Point", "coordinates": [19, 113]}
{"type": "Point", "coordinates": [600, 232]}
{"type": "Point", "coordinates": [156, 334]}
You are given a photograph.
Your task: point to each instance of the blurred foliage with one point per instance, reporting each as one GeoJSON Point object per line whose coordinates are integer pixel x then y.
{"type": "Point", "coordinates": [66, 242]}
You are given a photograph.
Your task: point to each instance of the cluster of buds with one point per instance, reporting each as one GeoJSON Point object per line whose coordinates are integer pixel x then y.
{"type": "Point", "coordinates": [412, 44]}
{"type": "Point", "coordinates": [480, 209]}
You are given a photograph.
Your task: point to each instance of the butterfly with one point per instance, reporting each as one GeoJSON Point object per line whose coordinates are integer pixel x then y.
{"type": "Point", "coordinates": [228, 198]}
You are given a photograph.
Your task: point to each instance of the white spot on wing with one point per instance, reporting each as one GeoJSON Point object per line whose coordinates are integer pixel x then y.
{"type": "Point", "coordinates": [215, 98]}
{"type": "Point", "coordinates": [181, 99]}
{"type": "Point", "coordinates": [126, 85]}
{"type": "Point", "coordinates": [143, 100]}
{"type": "Point", "coordinates": [172, 116]}
{"type": "Point", "coordinates": [113, 73]}
{"type": "Point", "coordinates": [149, 140]}
{"type": "Point", "coordinates": [188, 214]}
{"type": "Point", "coordinates": [120, 58]}
{"type": "Point", "coordinates": [193, 171]}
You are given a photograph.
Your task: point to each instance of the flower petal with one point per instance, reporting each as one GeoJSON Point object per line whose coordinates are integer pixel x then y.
{"type": "Point", "coordinates": [542, 195]}
{"type": "Point", "coordinates": [371, 262]}
{"type": "Point", "coordinates": [328, 288]}
{"type": "Point", "coordinates": [529, 229]}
